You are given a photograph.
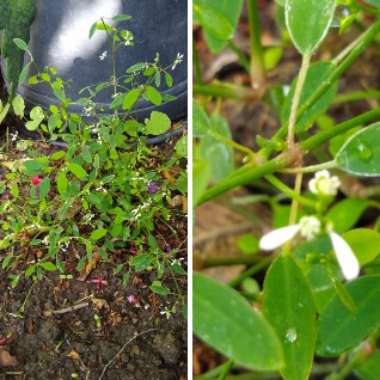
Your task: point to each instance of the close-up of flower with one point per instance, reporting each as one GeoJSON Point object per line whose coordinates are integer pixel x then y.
{"type": "Point", "coordinates": [36, 180]}
{"type": "Point", "coordinates": [324, 184]}
{"type": "Point", "coordinates": [309, 227]}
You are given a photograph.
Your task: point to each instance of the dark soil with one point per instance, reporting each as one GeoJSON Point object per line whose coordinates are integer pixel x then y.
{"type": "Point", "coordinates": [47, 345]}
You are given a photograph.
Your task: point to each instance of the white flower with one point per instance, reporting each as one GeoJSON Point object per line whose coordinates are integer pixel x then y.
{"type": "Point", "coordinates": [309, 227]}
{"type": "Point", "coordinates": [177, 60]}
{"type": "Point", "coordinates": [103, 56]}
{"type": "Point", "coordinates": [324, 184]}
{"type": "Point", "coordinates": [349, 264]}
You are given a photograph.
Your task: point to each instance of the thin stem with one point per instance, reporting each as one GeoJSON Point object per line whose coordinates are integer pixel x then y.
{"type": "Point", "coordinates": [312, 168]}
{"type": "Point", "coordinates": [243, 60]}
{"type": "Point", "coordinates": [257, 69]}
{"type": "Point", "coordinates": [289, 192]}
{"type": "Point", "coordinates": [226, 370]}
{"type": "Point", "coordinates": [282, 161]}
{"type": "Point", "coordinates": [356, 95]}
{"type": "Point", "coordinates": [233, 144]}
{"type": "Point", "coordinates": [226, 90]}
{"type": "Point", "coordinates": [197, 66]}
{"type": "Point", "coordinates": [212, 262]}
{"type": "Point", "coordinates": [294, 206]}
{"type": "Point", "coordinates": [264, 263]}
{"type": "Point", "coordinates": [296, 98]}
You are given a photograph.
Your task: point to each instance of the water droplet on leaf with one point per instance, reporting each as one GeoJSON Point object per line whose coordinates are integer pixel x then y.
{"type": "Point", "coordinates": [365, 153]}
{"type": "Point", "coordinates": [291, 335]}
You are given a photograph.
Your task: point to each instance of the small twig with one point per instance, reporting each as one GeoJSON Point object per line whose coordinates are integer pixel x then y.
{"type": "Point", "coordinates": [121, 350]}
{"type": "Point", "coordinates": [68, 309]}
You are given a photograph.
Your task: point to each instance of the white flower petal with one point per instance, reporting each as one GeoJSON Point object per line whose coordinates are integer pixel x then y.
{"type": "Point", "coordinates": [347, 260]}
{"type": "Point", "coordinates": [278, 237]}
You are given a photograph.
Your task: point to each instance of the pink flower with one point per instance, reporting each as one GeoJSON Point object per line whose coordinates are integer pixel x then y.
{"type": "Point", "coordinates": [132, 299]}
{"type": "Point", "coordinates": [99, 282]}
{"type": "Point", "coordinates": [36, 180]}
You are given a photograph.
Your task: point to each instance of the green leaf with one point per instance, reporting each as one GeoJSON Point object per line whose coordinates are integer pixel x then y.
{"type": "Point", "coordinates": [98, 234]}
{"type": "Point", "coordinates": [365, 243]}
{"type": "Point", "coordinates": [219, 155]}
{"type": "Point", "coordinates": [248, 244]}
{"type": "Point", "coordinates": [36, 115]}
{"type": "Point", "coordinates": [158, 123]}
{"type": "Point", "coordinates": [18, 106]}
{"type": "Point", "coordinates": [153, 95]}
{"type": "Point", "coordinates": [201, 177]}
{"type": "Point", "coordinates": [340, 329]}
{"type": "Point", "coordinates": [370, 368]}
{"type": "Point", "coordinates": [375, 3]}
{"type": "Point", "coordinates": [44, 188]}
{"type": "Point", "coordinates": [360, 155]}
{"type": "Point", "coordinates": [308, 22]}
{"type": "Point", "coordinates": [62, 183]}
{"type": "Point", "coordinates": [121, 18]}
{"type": "Point", "coordinates": [77, 170]}
{"type": "Point", "coordinates": [158, 288]}
{"type": "Point", "coordinates": [226, 321]}
{"type": "Point", "coordinates": [219, 18]}
{"type": "Point", "coordinates": [47, 266]}
{"type": "Point", "coordinates": [131, 98]}
{"type": "Point", "coordinates": [201, 122]}
{"type": "Point", "coordinates": [181, 146]}
{"type": "Point", "coordinates": [345, 214]}
{"type": "Point", "coordinates": [289, 307]}
{"type": "Point", "coordinates": [316, 74]}
{"type": "Point", "coordinates": [21, 44]}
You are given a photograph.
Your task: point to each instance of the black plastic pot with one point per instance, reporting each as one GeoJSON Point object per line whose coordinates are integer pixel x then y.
{"type": "Point", "coordinates": [59, 38]}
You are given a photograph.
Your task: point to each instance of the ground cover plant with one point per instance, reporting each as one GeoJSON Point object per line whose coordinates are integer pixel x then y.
{"type": "Point", "coordinates": [92, 225]}
{"type": "Point", "coordinates": [306, 304]}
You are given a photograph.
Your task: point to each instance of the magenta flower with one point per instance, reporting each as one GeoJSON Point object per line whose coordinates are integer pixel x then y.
{"type": "Point", "coordinates": [132, 299]}
{"type": "Point", "coordinates": [152, 187]}
{"type": "Point", "coordinates": [36, 180]}
{"type": "Point", "coordinates": [99, 282]}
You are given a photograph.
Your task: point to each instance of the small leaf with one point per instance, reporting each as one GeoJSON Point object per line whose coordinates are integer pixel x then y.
{"type": "Point", "coordinates": [360, 155]}
{"type": "Point", "coordinates": [158, 288]}
{"type": "Point", "coordinates": [44, 188]}
{"type": "Point", "coordinates": [158, 123]}
{"type": "Point", "coordinates": [375, 3]}
{"type": "Point", "coordinates": [36, 115]}
{"type": "Point", "coordinates": [77, 170]}
{"type": "Point", "coordinates": [201, 121]}
{"type": "Point", "coordinates": [131, 98]}
{"type": "Point", "coordinates": [47, 266]}
{"type": "Point", "coordinates": [153, 95]}
{"type": "Point", "coordinates": [98, 234]}
{"type": "Point", "coordinates": [316, 74]}
{"type": "Point", "coordinates": [226, 321]}
{"type": "Point", "coordinates": [289, 307]}
{"type": "Point", "coordinates": [340, 329]}
{"type": "Point", "coordinates": [201, 177]}
{"type": "Point", "coordinates": [21, 44]}
{"type": "Point", "coordinates": [318, 15]}
{"type": "Point", "coordinates": [18, 106]}
{"type": "Point", "coordinates": [248, 244]}
{"type": "Point", "coordinates": [62, 183]}
{"type": "Point", "coordinates": [345, 214]}
{"type": "Point", "coordinates": [365, 243]}
{"type": "Point", "coordinates": [370, 368]}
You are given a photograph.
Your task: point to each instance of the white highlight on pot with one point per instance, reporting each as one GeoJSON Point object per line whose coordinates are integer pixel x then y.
{"type": "Point", "coordinates": [347, 260]}
{"type": "Point", "coordinates": [324, 184]}
{"type": "Point", "coordinates": [72, 36]}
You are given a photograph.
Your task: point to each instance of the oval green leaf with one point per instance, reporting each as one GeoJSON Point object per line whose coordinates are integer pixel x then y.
{"type": "Point", "coordinates": [341, 329]}
{"type": "Point", "coordinates": [360, 155]}
{"type": "Point", "coordinates": [345, 214]}
{"type": "Point", "coordinates": [316, 74]}
{"type": "Point", "coordinates": [289, 307]}
{"type": "Point", "coordinates": [158, 123]}
{"type": "Point", "coordinates": [308, 22]}
{"type": "Point", "coordinates": [226, 321]}
{"type": "Point", "coordinates": [365, 243]}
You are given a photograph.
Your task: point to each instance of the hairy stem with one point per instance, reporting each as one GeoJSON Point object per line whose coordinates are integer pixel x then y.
{"type": "Point", "coordinates": [296, 99]}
